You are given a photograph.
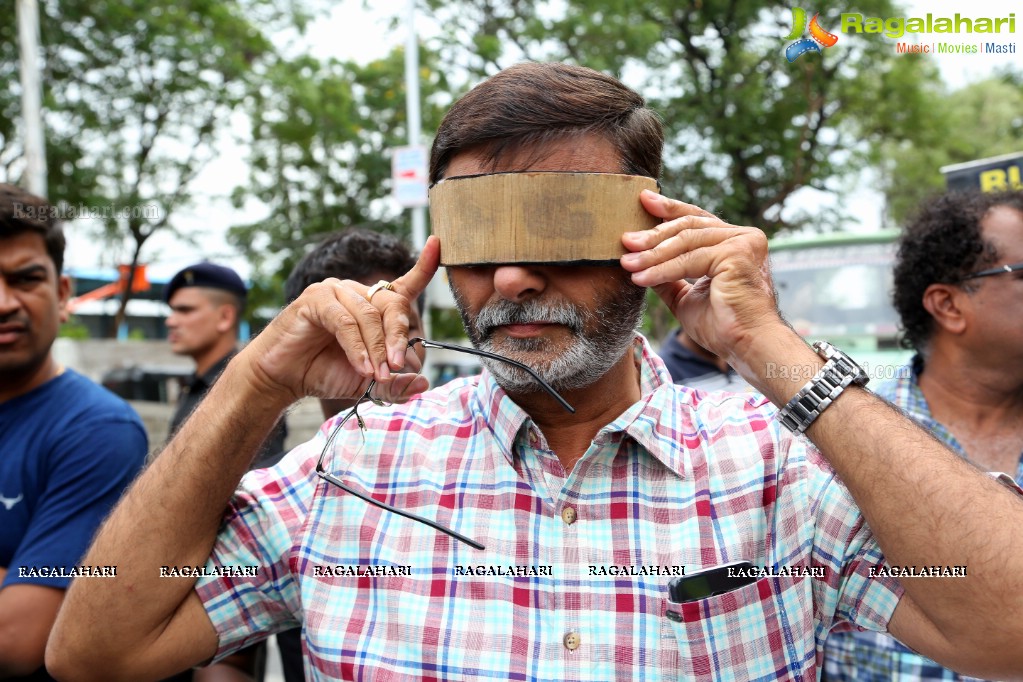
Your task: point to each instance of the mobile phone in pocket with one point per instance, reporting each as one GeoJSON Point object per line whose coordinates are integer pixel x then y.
{"type": "Point", "coordinates": [711, 581]}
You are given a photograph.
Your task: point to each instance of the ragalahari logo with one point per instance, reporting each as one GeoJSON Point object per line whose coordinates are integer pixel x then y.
{"type": "Point", "coordinates": [818, 36]}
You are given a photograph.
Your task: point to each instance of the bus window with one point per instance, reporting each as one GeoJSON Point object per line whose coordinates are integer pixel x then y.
{"type": "Point", "coordinates": [838, 288]}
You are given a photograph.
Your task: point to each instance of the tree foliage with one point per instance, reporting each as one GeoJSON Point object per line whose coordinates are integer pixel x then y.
{"type": "Point", "coordinates": [745, 128]}
{"type": "Point", "coordinates": [978, 120]}
{"type": "Point", "coordinates": [135, 94]}
{"type": "Point", "coordinates": [320, 154]}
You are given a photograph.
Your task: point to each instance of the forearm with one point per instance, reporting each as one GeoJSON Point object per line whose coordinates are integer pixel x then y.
{"type": "Point", "coordinates": [169, 516]}
{"type": "Point", "coordinates": [27, 613]}
{"type": "Point", "coordinates": [925, 505]}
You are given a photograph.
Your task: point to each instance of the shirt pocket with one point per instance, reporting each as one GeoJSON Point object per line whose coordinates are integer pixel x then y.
{"type": "Point", "coordinates": [762, 631]}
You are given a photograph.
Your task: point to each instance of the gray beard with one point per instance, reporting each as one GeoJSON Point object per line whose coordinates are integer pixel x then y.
{"type": "Point", "coordinates": [587, 358]}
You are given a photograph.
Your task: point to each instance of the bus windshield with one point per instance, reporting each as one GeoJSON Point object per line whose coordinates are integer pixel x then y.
{"type": "Point", "coordinates": [837, 290]}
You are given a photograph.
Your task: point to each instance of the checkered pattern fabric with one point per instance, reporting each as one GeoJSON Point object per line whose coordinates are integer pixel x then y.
{"type": "Point", "coordinates": [572, 584]}
{"type": "Point", "coordinates": [878, 657]}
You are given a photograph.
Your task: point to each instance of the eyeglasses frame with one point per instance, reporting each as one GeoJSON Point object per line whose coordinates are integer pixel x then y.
{"type": "Point", "coordinates": [1015, 267]}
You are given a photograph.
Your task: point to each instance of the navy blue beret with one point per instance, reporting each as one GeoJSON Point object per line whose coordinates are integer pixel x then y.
{"type": "Point", "coordinates": [208, 275]}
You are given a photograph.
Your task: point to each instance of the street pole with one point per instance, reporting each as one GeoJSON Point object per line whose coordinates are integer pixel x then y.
{"type": "Point", "coordinates": [414, 131]}
{"type": "Point", "coordinates": [413, 113]}
{"type": "Point", "coordinates": [31, 97]}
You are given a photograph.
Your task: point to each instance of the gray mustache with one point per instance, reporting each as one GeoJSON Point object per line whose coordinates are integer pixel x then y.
{"type": "Point", "coordinates": [504, 312]}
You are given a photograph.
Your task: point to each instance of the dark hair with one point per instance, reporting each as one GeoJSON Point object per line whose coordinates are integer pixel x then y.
{"type": "Point", "coordinates": [533, 104]}
{"type": "Point", "coordinates": [355, 253]}
{"type": "Point", "coordinates": [22, 212]}
{"type": "Point", "coordinates": [941, 245]}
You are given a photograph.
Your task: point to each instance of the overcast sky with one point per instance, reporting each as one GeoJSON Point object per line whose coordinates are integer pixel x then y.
{"type": "Point", "coordinates": [353, 32]}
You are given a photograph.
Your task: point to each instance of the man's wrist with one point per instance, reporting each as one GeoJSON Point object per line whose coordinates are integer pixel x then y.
{"type": "Point", "coordinates": [777, 362]}
{"type": "Point", "coordinates": [252, 386]}
{"type": "Point", "coordinates": [839, 372]}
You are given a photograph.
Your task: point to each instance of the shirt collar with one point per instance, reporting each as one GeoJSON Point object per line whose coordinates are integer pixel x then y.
{"type": "Point", "coordinates": [500, 413]}
{"type": "Point", "coordinates": [210, 375]}
{"type": "Point", "coordinates": [654, 420]}
{"type": "Point", "coordinates": [914, 402]}
{"type": "Point", "coordinates": [507, 420]}
{"type": "Point", "coordinates": [908, 396]}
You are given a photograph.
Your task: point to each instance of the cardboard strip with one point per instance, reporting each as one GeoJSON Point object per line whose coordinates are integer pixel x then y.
{"type": "Point", "coordinates": [537, 217]}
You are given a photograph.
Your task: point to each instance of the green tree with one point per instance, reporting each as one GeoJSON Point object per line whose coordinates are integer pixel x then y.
{"type": "Point", "coordinates": [320, 159]}
{"type": "Point", "coordinates": [68, 178]}
{"type": "Point", "coordinates": [975, 121]}
{"type": "Point", "coordinates": [745, 128]}
{"type": "Point", "coordinates": [135, 96]}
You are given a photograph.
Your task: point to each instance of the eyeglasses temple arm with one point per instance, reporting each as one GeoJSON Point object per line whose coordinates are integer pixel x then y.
{"type": "Point", "coordinates": [394, 510]}
{"type": "Point", "coordinates": [994, 271]}
{"type": "Point", "coordinates": [493, 356]}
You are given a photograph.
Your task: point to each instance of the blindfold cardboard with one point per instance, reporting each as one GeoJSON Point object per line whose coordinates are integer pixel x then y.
{"type": "Point", "coordinates": [537, 217]}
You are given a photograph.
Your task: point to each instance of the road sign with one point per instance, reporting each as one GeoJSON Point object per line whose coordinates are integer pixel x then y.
{"type": "Point", "coordinates": [409, 176]}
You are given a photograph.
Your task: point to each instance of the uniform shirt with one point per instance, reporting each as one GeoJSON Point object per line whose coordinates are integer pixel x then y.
{"type": "Point", "coordinates": [197, 388]}
{"type": "Point", "coordinates": [876, 657]}
{"type": "Point", "coordinates": [573, 581]}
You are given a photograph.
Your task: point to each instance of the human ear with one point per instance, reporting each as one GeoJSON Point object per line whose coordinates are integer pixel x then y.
{"type": "Point", "coordinates": [945, 303]}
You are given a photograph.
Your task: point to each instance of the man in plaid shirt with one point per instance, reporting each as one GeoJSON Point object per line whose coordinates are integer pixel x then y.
{"type": "Point", "coordinates": [960, 309]}
{"type": "Point", "coordinates": [584, 517]}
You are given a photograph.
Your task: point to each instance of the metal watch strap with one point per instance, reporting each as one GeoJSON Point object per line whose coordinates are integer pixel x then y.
{"type": "Point", "coordinates": [838, 372]}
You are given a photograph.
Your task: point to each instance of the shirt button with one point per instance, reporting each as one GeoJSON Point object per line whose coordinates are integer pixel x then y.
{"type": "Point", "coordinates": [571, 641]}
{"type": "Point", "coordinates": [568, 515]}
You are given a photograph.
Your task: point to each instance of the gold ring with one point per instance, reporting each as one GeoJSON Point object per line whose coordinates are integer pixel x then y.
{"type": "Point", "coordinates": [382, 284]}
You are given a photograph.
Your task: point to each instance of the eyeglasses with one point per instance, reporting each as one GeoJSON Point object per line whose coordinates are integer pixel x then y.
{"type": "Point", "coordinates": [368, 396]}
{"type": "Point", "coordinates": [994, 271]}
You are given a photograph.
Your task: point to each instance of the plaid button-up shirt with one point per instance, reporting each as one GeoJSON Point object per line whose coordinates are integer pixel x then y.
{"type": "Point", "coordinates": [572, 584]}
{"type": "Point", "coordinates": [874, 656]}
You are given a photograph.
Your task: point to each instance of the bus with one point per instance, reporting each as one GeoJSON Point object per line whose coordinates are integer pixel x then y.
{"type": "Point", "coordinates": [838, 288]}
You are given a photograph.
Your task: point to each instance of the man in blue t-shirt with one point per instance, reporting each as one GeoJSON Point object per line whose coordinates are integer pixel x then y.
{"type": "Point", "coordinates": [68, 448]}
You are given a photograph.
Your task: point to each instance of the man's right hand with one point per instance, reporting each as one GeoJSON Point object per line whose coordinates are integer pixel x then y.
{"type": "Point", "coordinates": [331, 341]}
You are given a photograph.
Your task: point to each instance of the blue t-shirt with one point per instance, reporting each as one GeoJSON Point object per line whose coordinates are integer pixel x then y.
{"type": "Point", "coordinates": [68, 450]}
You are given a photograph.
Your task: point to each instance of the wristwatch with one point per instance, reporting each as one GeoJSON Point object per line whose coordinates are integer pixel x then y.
{"type": "Point", "coordinates": [839, 371]}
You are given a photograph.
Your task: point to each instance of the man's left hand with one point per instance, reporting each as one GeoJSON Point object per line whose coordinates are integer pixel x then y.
{"type": "Point", "coordinates": [731, 300]}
